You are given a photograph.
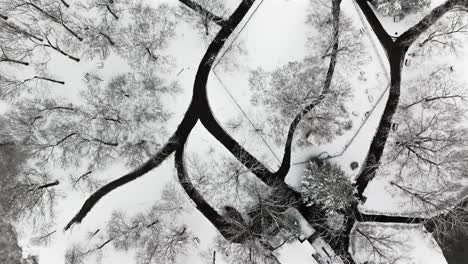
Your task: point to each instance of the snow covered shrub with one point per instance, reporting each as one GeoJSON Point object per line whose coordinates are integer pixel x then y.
{"type": "Point", "coordinates": [400, 7]}
{"type": "Point", "coordinates": [325, 183]}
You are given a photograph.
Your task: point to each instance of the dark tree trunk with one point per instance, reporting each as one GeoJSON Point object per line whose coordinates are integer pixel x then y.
{"type": "Point", "coordinates": [204, 12]}
{"type": "Point", "coordinates": [71, 31]}
{"type": "Point", "coordinates": [396, 58]}
{"type": "Point", "coordinates": [112, 12]}
{"type": "Point", "coordinates": [391, 219]}
{"type": "Point", "coordinates": [230, 231]}
{"type": "Point", "coordinates": [286, 162]}
{"type": "Point", "coordinates": [48, 79]}
{"type": "Point", "coordinates": [56, 20]}
{"type": "Point", "coordinates": [65, 3]}
{"type": "Point", "coordinates": [48, 185]}
{"type": "Point", "coordinates": [61, 51]}
{"type": "Point", "coordinates": [112, 43]}
{"type": "Point", "coordinates": [154, 57]}
{"type": "Point", "coordinates": [14, 61]}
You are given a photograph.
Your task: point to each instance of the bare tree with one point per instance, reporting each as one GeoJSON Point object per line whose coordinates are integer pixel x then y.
{"type": "Point", "coordinates": [246, 253]}
{"type": "Point", "coordinates": [428, 138]}
{"type": "Point", "coordinates": [438, 90]}
{"type": "Point", "coordinates": [23, 60]}
{"type": "Point", "coordinates": [395, 50]}
{"type": "Point", "coordinates": [202, 14]}
{"type": "Point", "coordinates": [100, 36]}
{"type": "Point", "coordinates": [446, 36]}
{"type": "Point", "coordinates": [155, 235]}
{"type": "Point", "coordinates": [378, 246]}
{"type": "Point", "coordinates": [13, 50]}
{"type": "Point", "coordinates": [104, 127]}
{"type": "Point", "coordinates": [44, 238]}
{"type": "Point", "coordinates": [143, 40]}
{"type": "Point", "coordinates": [109, 7]}
{"type": "Point", "coordinates": [20, 43]}
{"type": "Point", "coordinates": [290, 88]}
{"type": "Point", "coordinates": [207, 17]}
{"type": "Point", "coordinates": [443, 206]}
{"type": "Point", "coordinates": [350, 49]}
{"type": "Point", "coordinates": [30, 195]}
{"type": "Point", "coordinates": [47, 10]}
{"type": "Point", "coordinates": [446, 227]}
{"type": "Point", "coordinates": [24, 191]}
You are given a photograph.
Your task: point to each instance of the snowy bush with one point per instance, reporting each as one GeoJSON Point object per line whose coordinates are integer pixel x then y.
{"type": "Point", "coordinates": [326, 184]}
{"type": "Point", "coordinates": [400, 7]}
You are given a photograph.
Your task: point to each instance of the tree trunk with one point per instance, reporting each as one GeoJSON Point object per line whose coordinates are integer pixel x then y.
{"type": "Point", "coordinates": [48, 79]}
{"type": "Point", "coordinates": [204, 12]}
{"type": "Point", "coordinates": [62, 52]}
{"type": "Point", "coordinates": [286, 162]}
{"type": "Point", "coordinates": [71, 32]}
{"type": "Point", "coordinates": [45, 186]}
{"type": "Point", "coordinates": [112, 43]}
{"type": "Point", "coordinates": [65, 3]}
{"type": "Point", "coordinates": [396, 58]}
{"type": "Point", "coordinates": [112, 12]}
{"type": "Point", "coordinates": [14, 61]}
{"type": "Point", "coordinates": [231, 232]}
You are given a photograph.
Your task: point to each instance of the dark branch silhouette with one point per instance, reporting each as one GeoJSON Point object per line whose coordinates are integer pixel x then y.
{"type": "Point", "coordinates": [57, 48]}
{"type": "Point", "coordinates": [286, 162]}
{"type": "Point", "coordinates": [227, 229]}
{"type": "Point", "coordinates": [54, 19]}
{"type": "Point", "coordinates": [45, 79]}
{"type": "Point", "coordinates": [395, 51]}
{"type": "Point", "coordinates": [112, 12]}
{"type": "Point", "coordinates": [204, 12]}
{"type": "Point", "coordinates": [48, 185]}
{"type": "Point", "coordinates": [65, 3]}
{"type": "Point", "coordinates": [195, 109]}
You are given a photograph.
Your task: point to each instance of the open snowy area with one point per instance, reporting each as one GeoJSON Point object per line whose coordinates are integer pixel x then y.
{"type": "Point", "coordinates": [233, 131]}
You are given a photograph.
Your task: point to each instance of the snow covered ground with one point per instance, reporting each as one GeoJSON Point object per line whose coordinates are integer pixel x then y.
{"type": "Point", "coordinates": [394, 243]}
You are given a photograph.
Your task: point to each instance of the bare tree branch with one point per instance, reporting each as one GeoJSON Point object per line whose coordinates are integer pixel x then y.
{"type": "Point", "coordinates": [198, 106]}
{"type": "Point", "coordinates": [286, 162]}
{"type": "Point", "coordinates": [204, 12]}
{"type": "Point", "coordinates": [396, 51]}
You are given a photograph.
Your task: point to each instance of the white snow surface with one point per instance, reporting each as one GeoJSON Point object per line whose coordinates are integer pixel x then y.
{"type": "Point", "coordinates": [399, 243]}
